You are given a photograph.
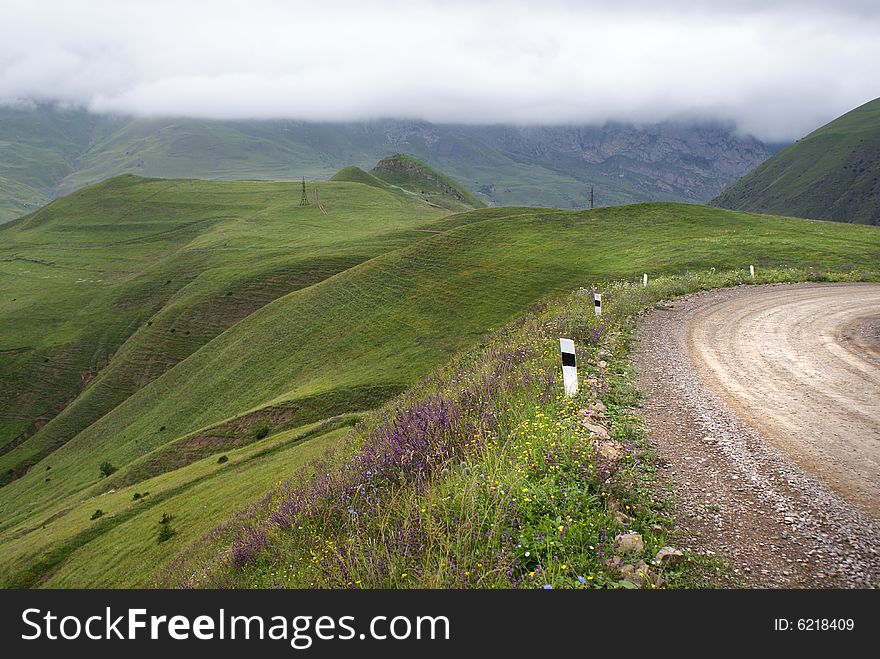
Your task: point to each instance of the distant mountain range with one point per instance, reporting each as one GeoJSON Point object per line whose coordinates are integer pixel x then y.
{"type": "Point", "coordinates": [47, 152]}
{"type": "Point", "coordinates": [831, 174]}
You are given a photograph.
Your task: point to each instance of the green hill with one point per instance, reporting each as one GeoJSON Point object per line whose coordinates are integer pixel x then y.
{"type": "Point", "coordinates": [352, 174]}
{"type": "Point", "coordinates": [411, 174]}
{"type": "Point", "coordinates": [109, 287]}
{"type": "Point", "coordinates": [831, 174]}
{"type": "Point", "coordinates": [159, 325]}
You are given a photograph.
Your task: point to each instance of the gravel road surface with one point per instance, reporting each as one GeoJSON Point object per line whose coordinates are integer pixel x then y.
{"type": "Point", "coordinates": [764, 403]}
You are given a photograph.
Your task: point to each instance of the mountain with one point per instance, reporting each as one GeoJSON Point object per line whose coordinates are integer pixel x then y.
{"type": "Point", "coordinates": [831, 174]}
{"type": "Point", "coordinates": [48, 152]}
{"type": "Point", "coordinates": [180, 347]}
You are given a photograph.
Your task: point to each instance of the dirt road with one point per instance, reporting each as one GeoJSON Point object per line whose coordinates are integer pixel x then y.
{"type": "Point", "coordinates": [765, 406]}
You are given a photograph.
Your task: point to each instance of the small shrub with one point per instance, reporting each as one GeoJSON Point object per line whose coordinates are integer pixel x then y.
{"type": "Point", "coordinates": [222, 459]}
{"type": "Point", "coordinates": [98, 513]}
{"type": "Point", "coordinates": [260, 431]}
{"type": "Point", "coordinates": [107, 468]}
{"type": "Point", "coordinates": [166, 531]}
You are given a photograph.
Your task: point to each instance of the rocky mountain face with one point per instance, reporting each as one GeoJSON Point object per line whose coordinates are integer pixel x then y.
{"type": "Point", "coordinates": [690, 162]}
{"type": "Point", "coordinates": [47, 152]}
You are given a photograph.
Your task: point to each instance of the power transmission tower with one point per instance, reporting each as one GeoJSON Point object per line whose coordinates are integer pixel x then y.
{"type": "Point", "coordinates": [305, 199]}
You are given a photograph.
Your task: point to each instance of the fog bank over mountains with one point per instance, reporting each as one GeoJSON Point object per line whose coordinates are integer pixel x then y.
{"type": "Point", "coordinates": [777, 69]}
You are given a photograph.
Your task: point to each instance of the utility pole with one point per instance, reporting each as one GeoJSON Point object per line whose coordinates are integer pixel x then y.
{"type": "Point", "coordinates": [591, 197]}
{"type": "Point", "coordinates": [305, 199]}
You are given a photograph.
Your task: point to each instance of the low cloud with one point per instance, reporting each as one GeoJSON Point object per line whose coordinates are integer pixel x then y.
{"type": "Point", "coordinates": [777, 69]}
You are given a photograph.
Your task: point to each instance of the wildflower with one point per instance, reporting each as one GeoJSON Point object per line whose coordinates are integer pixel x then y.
{"type": "Point", "coordinates": [548, 586]}
{"type": "Point", "coordinates": [582, 580]}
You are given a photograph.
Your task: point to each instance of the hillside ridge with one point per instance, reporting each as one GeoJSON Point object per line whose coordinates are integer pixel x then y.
{"type": "Point", "coordinates": [831, 174]}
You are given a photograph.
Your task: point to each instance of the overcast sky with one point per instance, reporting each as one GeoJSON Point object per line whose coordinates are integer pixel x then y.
{"type": "Point", "coordinates": [778, 68]}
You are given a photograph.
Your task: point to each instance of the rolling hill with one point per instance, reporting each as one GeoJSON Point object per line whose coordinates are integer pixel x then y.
{"type": "Point", "coordinates": [410, 174]}
{"type": "Point", "coordinates": [831, 174]}
{"type": "Point", "coordinates": [158, 326]}
{"type": "Point", "coordinates": [49, 152]}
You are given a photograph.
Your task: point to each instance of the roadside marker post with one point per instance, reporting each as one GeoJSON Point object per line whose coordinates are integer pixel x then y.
{"type": "Point", "coordinates": [645, 280]}
{"type": "Point", "coordinates": [752, 271]}
{"type": "Point", "coordinates": [597, 303]}
{"type": "Point", "coordinates": [569, 367]}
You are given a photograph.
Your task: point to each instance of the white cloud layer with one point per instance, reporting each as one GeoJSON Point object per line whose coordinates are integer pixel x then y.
{"type": "Point", "coordinates": [778, 68]}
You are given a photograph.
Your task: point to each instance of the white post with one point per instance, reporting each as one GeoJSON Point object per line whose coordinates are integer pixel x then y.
{"type": "Point", "coordinates": [597, 303]}
{"type": "Point", "coordinates": [569, 367]}
{"type": "Point", "coordinates": [752, 271]}
{"type": "Point", "coordinates": [645, 280]}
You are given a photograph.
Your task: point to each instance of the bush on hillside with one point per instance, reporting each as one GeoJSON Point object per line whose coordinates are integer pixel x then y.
{"type": "Point", "coordinates": [166, 531]}
{"type": "Point", "coordinates": [260, 430]}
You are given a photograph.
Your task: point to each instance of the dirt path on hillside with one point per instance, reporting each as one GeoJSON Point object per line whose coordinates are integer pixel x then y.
{"type": "Point", "coordinates": [764, 403]}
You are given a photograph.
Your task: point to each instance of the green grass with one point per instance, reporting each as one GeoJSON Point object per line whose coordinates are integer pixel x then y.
{"type": "Point", "coordinates": [354, 174]}
{"type": "Point", "coordinates": [831, 174]}
{"type": "Point", "coordinates": [120, 548]}
{"type": "Point", "coordinates": [354, 307]}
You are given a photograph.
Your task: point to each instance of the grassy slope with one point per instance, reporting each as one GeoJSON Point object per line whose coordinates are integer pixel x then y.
{"type": "Point", "coordinates": [120, 548]}
{"type": "Point", "coordinates": [39, 149]}
{"type": "Point", "coordinates": [391, 319]}
{"type": "Point", "coordinates": [354, 174]}
{"type": "Point", "coordinates": [148, 271]}
{"type": "Point", "coordinates": [831, 174]}
{"type": "Point", "coordinates": [411, 174]}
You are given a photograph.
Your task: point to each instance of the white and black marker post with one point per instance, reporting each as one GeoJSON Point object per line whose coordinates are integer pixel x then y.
{"type": "Point", "coordinates": [752, 271]}
{"type": "Point", "coordinates": [569, 367]}
{"type": "Point", "coordinates": [645, 280]}
{"type": "Point", "coordinates": [597, 303]}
